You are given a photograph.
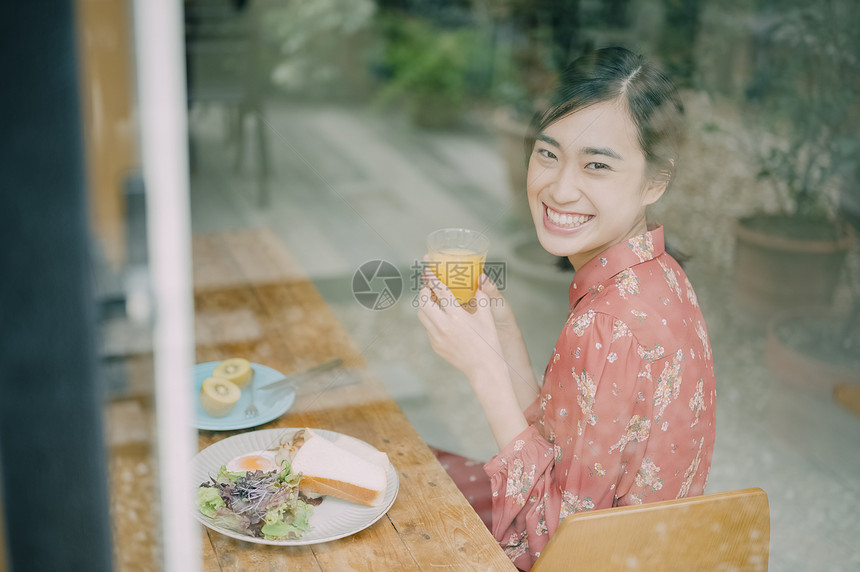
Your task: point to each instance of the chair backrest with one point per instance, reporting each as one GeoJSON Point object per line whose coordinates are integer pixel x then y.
{"type": "Point", "coordinates": [222, 49]}
{"type": "Point", "coordinates": [722, 531]}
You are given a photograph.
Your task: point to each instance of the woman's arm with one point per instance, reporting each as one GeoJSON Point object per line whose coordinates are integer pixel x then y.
{"type": "Point", "coordinates": [599, 419]}
{"type": "Point", "coordinates": [513, 346]}
{"type": "Point", "coordinates": [470, 342]}
{"type": "Point", "coordinates": [500, 402]}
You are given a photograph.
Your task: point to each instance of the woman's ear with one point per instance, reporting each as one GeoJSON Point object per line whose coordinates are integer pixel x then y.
{"type": "Point", "coordinates": [655, 189]}
{"type": "Point", "coordinates": [658, 185]}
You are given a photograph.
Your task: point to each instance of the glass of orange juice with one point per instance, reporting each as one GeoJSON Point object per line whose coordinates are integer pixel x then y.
{"type": "Point", "coordinates": [456, 257]}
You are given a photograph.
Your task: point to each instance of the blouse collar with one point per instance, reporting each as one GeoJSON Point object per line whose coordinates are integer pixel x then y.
{"type": "Point", "coordinates": [590, 278]}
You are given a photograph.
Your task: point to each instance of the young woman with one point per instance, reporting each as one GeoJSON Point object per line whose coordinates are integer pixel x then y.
{"type": "Point", "coordinates": [626, 410]}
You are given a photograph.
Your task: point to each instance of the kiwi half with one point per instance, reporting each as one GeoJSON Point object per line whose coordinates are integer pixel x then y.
{"type": "Point", "coordinates": [237, 370]}
{"type": "Point", "coordinates": [219, 396]}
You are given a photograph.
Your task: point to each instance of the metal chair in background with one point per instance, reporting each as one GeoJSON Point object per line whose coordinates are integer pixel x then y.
{"type": "Point", "coordinates": [224, 67]}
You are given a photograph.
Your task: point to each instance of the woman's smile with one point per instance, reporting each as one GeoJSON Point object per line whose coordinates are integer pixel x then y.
{"type": "Point", "coordinates": [564, 222]}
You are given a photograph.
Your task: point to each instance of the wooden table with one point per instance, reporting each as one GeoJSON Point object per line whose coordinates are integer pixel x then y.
{"type": "Point", "coordinates": [252, 300]}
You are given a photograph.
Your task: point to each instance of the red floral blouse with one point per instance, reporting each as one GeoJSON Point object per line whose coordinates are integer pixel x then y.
{"type": "Point", "coordinates": [626, 414]}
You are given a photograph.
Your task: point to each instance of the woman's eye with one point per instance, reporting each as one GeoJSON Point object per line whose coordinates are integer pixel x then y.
{"type": "Point", "coordinates": [546, 154]}
{"type": "Point", "coordinates": [594, 165]}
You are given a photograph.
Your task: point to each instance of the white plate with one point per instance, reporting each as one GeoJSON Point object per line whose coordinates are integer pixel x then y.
{"type": "Point", "coordinates": [334, 518]}
{"type": "Point", "coordinates": [270, 404]}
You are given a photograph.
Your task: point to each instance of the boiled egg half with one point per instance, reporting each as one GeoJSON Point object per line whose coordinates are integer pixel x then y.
{"type": "Point", "coordinates": [255, 461]}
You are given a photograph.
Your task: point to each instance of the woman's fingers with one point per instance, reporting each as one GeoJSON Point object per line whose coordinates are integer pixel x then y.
{"type": "Point", "coordinates": [425, 319]}
{"type": "Point", "coordinates": [426, 302]}
{"type": "Point", "coordinates": [445, 298]}
{"type": "Point", "coordinates": [432, 317]}
{"type": "Point", "coordinates": [481, 297]}
{"type": "Point", "coordinates": [488, 286]}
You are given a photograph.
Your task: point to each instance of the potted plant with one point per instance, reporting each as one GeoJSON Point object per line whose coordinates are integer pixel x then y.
{"type": "Point", "coordinates": [532, 42]}
{"type": "Point", "coordinates": [788, 263]}
{"type": "Point", "coordinates": [803, 101]}
{"type": "Point", "coordinates": [425, 67]}
{"type": "Point", "coordinates": [515, 94]}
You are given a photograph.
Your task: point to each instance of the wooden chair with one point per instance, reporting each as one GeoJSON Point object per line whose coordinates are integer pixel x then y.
{"type": "Point", "coordinates": [722, 531]}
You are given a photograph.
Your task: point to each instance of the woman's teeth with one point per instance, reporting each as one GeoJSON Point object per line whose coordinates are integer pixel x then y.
{"type": "Point", "coordinates": [568, 220]}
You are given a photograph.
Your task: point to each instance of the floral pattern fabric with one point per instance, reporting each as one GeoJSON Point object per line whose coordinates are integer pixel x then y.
{"type": "Point", "coordinates": [626, 413]}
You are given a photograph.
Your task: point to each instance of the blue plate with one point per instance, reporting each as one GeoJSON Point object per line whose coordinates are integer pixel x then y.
{"type": "Point", "coordinates": [270, 406]}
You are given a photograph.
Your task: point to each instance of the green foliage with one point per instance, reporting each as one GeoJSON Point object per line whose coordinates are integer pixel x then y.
{"type": "Point", "coordinates": [528, 75]}
{"type": "Point", "coordinates": [424, 63]}
{"type": "Point", "coordinates": [317, 45]}
{"type": "Point", "coordinates": [805, 94]}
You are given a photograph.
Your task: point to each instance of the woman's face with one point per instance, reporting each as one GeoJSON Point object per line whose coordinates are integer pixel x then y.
{"type": "Point", "coordinates": [587, 184]}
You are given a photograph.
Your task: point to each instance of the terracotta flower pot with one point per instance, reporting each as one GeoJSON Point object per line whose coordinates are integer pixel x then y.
{"type": "Point", "coordinates": [809, 359]}
{"type": "Point", "coordinates": [773, 274]}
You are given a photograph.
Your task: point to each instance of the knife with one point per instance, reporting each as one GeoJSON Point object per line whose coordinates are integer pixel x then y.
{"type": "Point", "coordinates": [293, 378]}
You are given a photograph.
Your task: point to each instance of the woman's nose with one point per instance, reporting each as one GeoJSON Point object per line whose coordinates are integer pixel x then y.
{"type": "Point", "coordinates": [566, 186]}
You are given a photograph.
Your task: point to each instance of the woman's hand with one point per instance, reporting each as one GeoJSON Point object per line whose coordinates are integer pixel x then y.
{"type": "Point", "coordinates": [466, 340]}
{"type": "Point", "coordinates": [469, 341]}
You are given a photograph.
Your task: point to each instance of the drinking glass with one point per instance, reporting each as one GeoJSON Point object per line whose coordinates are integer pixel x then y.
{"type": "Point", "coordinates": [456, 257]}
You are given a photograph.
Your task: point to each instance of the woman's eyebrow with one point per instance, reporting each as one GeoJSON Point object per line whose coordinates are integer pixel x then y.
{"type": "Point", "coordinates": [547, 139]}
{"type": "Point", "coordinates": [605, 151]}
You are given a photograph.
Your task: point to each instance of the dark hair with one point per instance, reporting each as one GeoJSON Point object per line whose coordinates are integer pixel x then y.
{"type": "Point", "coordinates": [617, 73]}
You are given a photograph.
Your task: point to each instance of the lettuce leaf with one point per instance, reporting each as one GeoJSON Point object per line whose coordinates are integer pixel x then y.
{"type": "Point", "coordinates": [289, 519]}
{"type": "Point", "coordinates": [229, 519]}
{"type": "Point", "coordinates": [226, 477]}
{"type": "Point", "coordinates": [258, 503]}
{"type": "Point", "coordinates": [209, 500]}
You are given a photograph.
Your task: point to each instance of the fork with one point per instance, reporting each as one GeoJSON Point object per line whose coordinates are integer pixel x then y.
{"type": "Point", "coordinates": [251, 410]}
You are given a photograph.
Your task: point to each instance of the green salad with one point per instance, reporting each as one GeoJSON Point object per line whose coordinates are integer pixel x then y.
{"type": "Point", "coordinates": [260, 504]}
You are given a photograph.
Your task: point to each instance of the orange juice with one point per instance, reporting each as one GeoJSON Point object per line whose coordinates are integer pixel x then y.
{"type": "Point", "coordinates": [456, 256]}
{"type": "Point", "coordinates": [459, 269]}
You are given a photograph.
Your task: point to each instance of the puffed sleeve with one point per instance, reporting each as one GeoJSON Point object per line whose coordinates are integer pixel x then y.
{"type": "Point", "coordinates": [592, 423]}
